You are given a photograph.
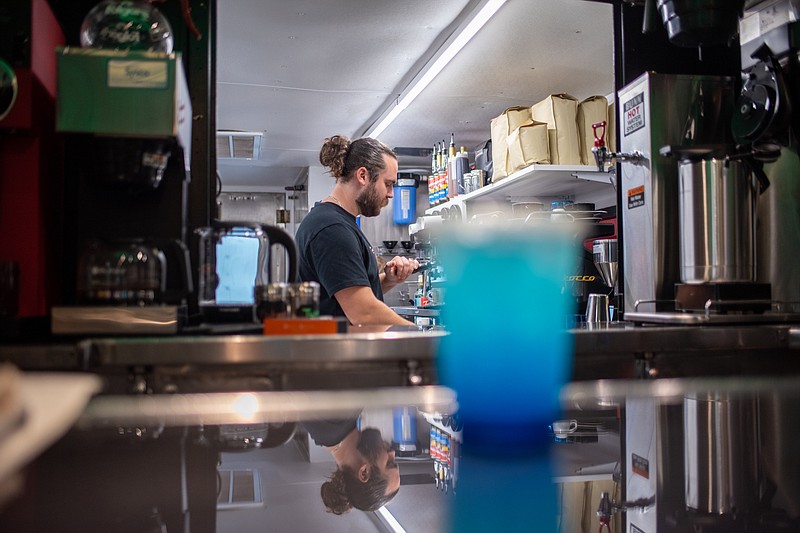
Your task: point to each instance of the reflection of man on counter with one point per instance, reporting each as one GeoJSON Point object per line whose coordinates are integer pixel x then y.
{"type": "Point", "coordinates": [366, 475]}
{"type": "Point", "coordinates": [333, 250]}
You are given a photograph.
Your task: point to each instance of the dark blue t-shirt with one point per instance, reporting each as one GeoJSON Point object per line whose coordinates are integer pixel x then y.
{"type": "Point", "coordinates": [336, 254]}
{"type": "Point", "coordinates": [331, 432]}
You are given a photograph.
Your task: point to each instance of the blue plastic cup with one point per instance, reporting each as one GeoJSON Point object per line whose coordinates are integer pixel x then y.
{"type": "Point", "coordinates": [507, 356]}
{"type": "Point", "coordinates": [509, 352]}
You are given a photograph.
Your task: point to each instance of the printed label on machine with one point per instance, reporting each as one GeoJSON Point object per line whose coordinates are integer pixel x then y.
{"type": "Point", "coordinates": [640, 466]}
{"type": "Point", "coordinates": [636, 197]}
{"type": "Point", "coordinates": [137, 74]}
{"type": "Point", "coordinates": [633, 114]}
{"type": "Point", "coordinates": [635, 529]}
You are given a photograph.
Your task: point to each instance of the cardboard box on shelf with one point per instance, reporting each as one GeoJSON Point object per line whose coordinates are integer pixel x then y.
{"type": "Point", "coordinates": [124, 94]}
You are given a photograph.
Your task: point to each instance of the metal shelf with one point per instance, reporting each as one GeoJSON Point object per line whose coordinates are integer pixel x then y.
{"type": "Point", "coordinates": [538, 180]}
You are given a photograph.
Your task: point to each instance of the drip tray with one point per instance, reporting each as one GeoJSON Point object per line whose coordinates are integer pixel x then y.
{"type": "Point", "coordinates": [142, 320]}
{"type": "Point", "coordinates": [723, 297]}
{"type": "Point", "coordinates": [700, 318]}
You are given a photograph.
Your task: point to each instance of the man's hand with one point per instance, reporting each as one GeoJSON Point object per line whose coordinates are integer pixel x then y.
{"type": "Point", "coordinates": [397, 270]}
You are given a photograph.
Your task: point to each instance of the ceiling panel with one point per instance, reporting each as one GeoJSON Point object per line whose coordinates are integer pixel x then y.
{"type": "Point", "coordinates": [301, 71]}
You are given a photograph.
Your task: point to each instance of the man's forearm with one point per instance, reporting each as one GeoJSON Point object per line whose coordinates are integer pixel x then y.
{"type": "Point", "coordinates": [361, 307]}
{"type": "Point", "coordinates": [378, 314]}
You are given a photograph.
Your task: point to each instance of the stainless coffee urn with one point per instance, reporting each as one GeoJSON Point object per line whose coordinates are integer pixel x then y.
{"type": "Point", "coordinates": [659, 110]}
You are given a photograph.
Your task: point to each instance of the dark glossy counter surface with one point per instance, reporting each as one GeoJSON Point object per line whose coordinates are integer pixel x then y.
{"type": "Point", "coordinates": [627, 351]}
{"type": "Point", "coordinates": [599, 353]}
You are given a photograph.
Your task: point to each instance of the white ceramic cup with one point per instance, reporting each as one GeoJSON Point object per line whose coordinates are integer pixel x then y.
{"type": "Point", "coordinates": [563, 428]}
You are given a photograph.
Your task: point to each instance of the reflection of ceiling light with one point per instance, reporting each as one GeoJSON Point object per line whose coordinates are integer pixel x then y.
{"type": "Point", "coordinates": [239, 144]}
{"type": "Point", "coordinates": [480, 17]}
{"type": "Point", "coordinates": [246, 406]}
{"type": "Point", "coordinates": [388, 520]}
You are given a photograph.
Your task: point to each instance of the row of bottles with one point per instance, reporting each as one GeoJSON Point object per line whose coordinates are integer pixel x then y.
{"type": "Point", "coordinates": [426, 294]}
{"type": "Point", "coordinates": [421, 297]}
{"type": "Point", "coordinates": [445, 460]}
{"type": "Point", "coordinates": [448, 170]}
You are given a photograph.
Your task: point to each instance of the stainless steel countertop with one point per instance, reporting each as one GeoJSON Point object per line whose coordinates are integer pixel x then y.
{"type": "Point", "coordinates": [619, 340]}
{"type": "Point", "coordinates": [611, 393]}
{"type": "Point", "coordinates": [410, 310]}
{"type": "Point", "coordinates": [622, 338]}
{"type": "Point", "coordinates": [254, 349]}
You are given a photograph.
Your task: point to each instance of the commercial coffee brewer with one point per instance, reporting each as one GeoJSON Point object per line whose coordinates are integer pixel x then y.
{"type": "Point", "coordinates": [709, 201]}
{"type": "Point", "coordinates": [126, 117]}
{"type": "Point", "coordinates": [709, 205]}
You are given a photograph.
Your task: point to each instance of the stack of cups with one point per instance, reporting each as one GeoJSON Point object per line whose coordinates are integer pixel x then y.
{"type": "Point", "coordinates": [287, 300]}
{"type": "Point", "coordinates": [305, 299]}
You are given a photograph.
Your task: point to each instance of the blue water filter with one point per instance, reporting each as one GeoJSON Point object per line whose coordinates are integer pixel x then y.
{"type": "Point", "coordinates": [404, 203]}
{"type": "Point", "coordinates": [404, 429]}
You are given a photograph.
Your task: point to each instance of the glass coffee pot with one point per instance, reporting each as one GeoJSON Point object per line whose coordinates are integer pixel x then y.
{"type": "Point", "coordinates": [234, 259]}
{"type": "Point", "coordinates": [127, 273]}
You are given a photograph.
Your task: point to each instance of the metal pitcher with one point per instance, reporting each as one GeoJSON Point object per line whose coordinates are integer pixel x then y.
{"type": "Point", "coordinates": [718, 195]}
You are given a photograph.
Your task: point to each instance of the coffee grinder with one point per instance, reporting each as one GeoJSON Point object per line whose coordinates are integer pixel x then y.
{"type": "Point", "coordinates": [606, 261]}
{"type": "Point", "coordinates": [588, 284]}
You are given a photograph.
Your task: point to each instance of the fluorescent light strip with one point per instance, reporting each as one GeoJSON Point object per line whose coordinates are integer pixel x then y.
{"type": "Point", "coordinates": [237, 133]}
{"type": "Point", "coordinates": [390, 521]}
{"type": "Point", "coordinates": [455, 46]}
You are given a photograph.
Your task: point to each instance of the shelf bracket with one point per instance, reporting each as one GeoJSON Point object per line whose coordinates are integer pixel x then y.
{"type": "Point", "coordinates": [600, 177]}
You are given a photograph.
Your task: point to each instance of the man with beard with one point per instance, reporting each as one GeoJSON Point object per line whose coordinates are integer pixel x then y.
{"type": "Point", "coordinates": [333, 250]}
{"type": "Point", "coordinates": [366, 475]}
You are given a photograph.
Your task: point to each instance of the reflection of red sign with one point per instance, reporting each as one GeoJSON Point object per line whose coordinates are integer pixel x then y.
{"type": "Point", "coordinates": [636, 197]}
{"type": "Point", "coordinates": [640, 466]}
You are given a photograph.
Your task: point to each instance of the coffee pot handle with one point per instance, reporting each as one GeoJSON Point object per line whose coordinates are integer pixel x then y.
{"type": "Point", "coordinates": [758, 169]}
{"type": "Point", "coordinates": [176, 254]}
{"type": "Point", "coordinates": [278, 236]}
{"type": "Point", "coordinates": [754, 159]}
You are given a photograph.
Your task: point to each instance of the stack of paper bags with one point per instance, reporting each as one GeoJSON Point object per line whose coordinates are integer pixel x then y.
{"type": "Point", "coordinates": [558, 130]}
{"type": "Point", "coordinates": [591, 111]}
{"type": "Point", "coordinates": [517, 141]}
{"type": "Point", "coordinates": [560, 113]}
